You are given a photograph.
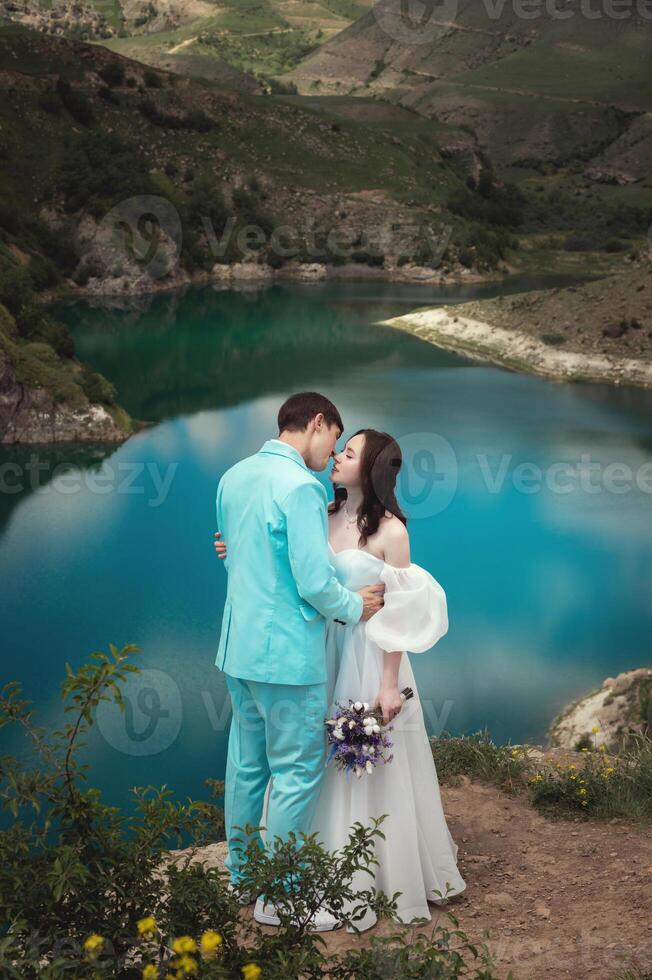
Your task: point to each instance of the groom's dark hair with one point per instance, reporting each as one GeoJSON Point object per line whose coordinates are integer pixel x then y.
{"type": "Point", "coordinates": [295, 413]}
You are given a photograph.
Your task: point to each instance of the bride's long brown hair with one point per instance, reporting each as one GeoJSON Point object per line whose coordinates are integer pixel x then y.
{"type": "Point", "coordinates": [379, 465]}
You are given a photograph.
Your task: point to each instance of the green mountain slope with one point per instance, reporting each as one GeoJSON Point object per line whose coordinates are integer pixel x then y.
{"type": "Point", "coordinates": [541, 89]}
{"type": "Point", "coordinates": [231, 41]}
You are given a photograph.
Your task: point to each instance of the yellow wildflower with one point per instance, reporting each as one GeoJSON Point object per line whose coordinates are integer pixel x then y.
{"type": "Point", "coordinates": [596, 728]}
{"type": "Point", "coordinates": [184, 944]}
{"type": "Point", "coordinates": [602, 748]}
{"type": "Point", "coordinates": [251, 971]}
{"type": "Point", "coordinates": [146, 926]}
{"type": "Point", "coordinates": [609, 770]}
{"type": "Point", "coordinates": [584, 750]}
{"type": "Point", "coordinates": [584, 803]}
{"type": "Point", "coordinates": [572, 777]}
{"type": "Point", "coordinates": [185, 965]}
{"type": "Point", "coordinates": [582, 792]}
{"type": "Point", "coordinates": [210, 942]}
{"type": "Point", "coordinates": [94, 943]}
{"type": "Point", "coordinates": [150, 972]}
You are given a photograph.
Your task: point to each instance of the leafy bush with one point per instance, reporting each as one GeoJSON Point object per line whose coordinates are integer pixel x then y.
{"type": "Point", "coordinates": [112, 73]}
{"type": "Point", "coordinates": [96, 387]}
{"type": "Point", "coordinates": [56, 243]}
{"type": "Point", "coordinates": [251, 211]}
{"type": "Point", "coordinates": [151, 78]}
{"type": "Point", "coordinates": [15, 284]}
{"type": "Point", "coordinates": [77, 104]}
{"type": "Point", "coordinates": [9, 217]}
{"type": "Point", "coordinates": [196, 120]}
{"type": "Point", "coordinates": [489, 204]}
{"type": "Point", "coordinates": [44, 272]}
{"type": "Point", "coordinates": [49, 103]}
{"type": "Point", "coordinates": [101, 169]}
{"type": "Point", "coordinates": [279, 87]}
{"type": "Point", "coordinates": [86, 891]}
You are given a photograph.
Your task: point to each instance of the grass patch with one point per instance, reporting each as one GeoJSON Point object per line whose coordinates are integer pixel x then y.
{"type": "Point", "coordinates": [602, 787]}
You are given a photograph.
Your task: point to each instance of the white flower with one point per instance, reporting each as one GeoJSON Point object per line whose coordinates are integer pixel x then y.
{"type": "Point", "coordinates": [368, 720]}
{"type": "Point", "coordinates": [371, 749]}
{"type": "Point", "coordinates": [365, 706]}
{"type": "Point", "coordinates": [341, 720]}
{"type": "Point", "coordinates": [358, 771]}
{"type": "Point", "coordinates": [368, 730]}
{"type": "Point", "coordinates": [369, 766]}
{"type": "Point", "coordinates": [351, 724]}
{"type": "Point", "coordinates": [358, 706]}
{"type": "Point", "coordinates": [376, 729]}
{"type": "Point", "coordinates": [338, 733]}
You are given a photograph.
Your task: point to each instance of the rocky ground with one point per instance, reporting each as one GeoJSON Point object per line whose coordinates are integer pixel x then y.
{"type": "Point", "coordinates": [560, 898]}
{"type": "Point", "coordinates": [608, 316]}
{"type": "Point", "coordinates": [597, 331]}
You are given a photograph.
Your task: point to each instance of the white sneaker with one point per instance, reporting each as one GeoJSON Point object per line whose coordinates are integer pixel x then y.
{"type": "Point", "coordinates": [322, 921]}
{"type": "Point", "coordinates": [245, 898]}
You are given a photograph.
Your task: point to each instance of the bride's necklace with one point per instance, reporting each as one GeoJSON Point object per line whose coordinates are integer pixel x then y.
{"type": "Point", "coordinates": [349, 519]}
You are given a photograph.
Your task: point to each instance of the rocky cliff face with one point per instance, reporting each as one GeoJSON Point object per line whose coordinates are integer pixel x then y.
{"type": "Point", "coordinates": [31, 415]}
{"type": "Point", "coordinates": [620, 707]}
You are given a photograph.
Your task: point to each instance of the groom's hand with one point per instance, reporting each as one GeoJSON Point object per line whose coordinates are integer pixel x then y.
{"type": "Point", "coordinates": [372, 600]}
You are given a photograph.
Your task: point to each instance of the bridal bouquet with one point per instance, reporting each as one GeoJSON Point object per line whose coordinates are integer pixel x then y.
{"type": "Point", "coordinates": [358, 741]}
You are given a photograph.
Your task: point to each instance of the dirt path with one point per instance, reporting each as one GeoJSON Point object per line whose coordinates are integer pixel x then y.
{"type": "Point", "coordinates": [562, 898]}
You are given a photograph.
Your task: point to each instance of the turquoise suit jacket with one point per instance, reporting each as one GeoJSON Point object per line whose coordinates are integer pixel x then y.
{"type": "Point", "coordinates": [281, 587]}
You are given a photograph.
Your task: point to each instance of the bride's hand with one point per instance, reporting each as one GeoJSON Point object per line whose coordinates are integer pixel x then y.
{"type": "Point", "coordinates": [390, 702]}
{"type": "Point", "coordinates": [220, 546]}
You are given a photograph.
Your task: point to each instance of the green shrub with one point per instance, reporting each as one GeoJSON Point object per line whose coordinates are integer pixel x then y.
{"type": "Point", "coordinates": [101, 169]}
{"type": "Point", "coordinates": [9, 217]}
{"type": "Point", "coordinates": [77, 104]}
{"type": "Point", "coordinates": [49, 103]}
{"type": "Point", "coordinates": [87, 891]}
{"type": "Point", "coordinates": [251, 211]}
{"type": "Point", "coordinates": [151, 78]}
{"type": "Point", "coordinates": [96, 387]}
{"type": "Point", "coordinates": [112, 73]}
{"type": "Point", "coordinates": [15, 284]}
{"type": "Point", "coordinates": [44, 272]}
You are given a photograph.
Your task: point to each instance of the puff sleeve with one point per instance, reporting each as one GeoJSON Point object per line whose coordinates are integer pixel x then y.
{"type": "Point", "coordinates": [415, 614]}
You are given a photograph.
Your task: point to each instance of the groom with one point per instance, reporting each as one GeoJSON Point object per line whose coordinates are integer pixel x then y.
{"type": "Point", "coordinates": [281, 589]}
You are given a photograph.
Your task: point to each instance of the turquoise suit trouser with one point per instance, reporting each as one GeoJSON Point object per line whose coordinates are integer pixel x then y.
{"type": "Point", "coordinates": [277, 731]}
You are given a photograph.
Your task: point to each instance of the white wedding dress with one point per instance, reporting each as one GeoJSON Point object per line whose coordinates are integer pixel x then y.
{"type": "Point", "coordinates": [418, 856]}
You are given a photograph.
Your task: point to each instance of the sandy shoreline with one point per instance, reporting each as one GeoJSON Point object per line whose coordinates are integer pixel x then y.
{"type": "Point", "coordinates": [520, 351]}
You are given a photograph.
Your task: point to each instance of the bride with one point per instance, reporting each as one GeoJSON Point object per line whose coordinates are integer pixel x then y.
{"type": "Point", "coordinates": [369, 542]}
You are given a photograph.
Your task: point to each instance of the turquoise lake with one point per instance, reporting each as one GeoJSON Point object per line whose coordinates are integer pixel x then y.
{"type": "Point", "coordinates": [530, 502]}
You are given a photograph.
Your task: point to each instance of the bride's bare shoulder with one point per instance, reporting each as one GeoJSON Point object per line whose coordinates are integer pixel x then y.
{"type": "Point", "coordinates": [395, 540]}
